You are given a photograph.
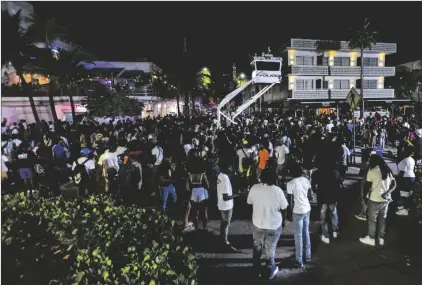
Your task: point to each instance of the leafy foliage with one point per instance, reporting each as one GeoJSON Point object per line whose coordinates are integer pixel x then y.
{"type": "Point", "coordinates": [407, 83]}
{"type": "Point", "coordinates": [105, 103]}
{"type": "Point", "coordinates": [365, 37]}
{"type": "Point", "coordinates": [53, 241]}
{"type": "Point", "coordinates": [417, 195]}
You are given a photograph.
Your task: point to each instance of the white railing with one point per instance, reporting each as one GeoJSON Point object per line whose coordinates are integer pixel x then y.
{"type": "Point", "coordinates": [344, 46]}
{"type": "Point", "coordinates": [367, 93]}
{"type": "Point", "coordinates": [342, 70]}
{"type": "Point", "coordinates": [310, 94]}
{"type": "Point", "coordinates": [340, 94]}
{"type": "Point", "coordinates": [367, 71]}
{"type": "Point", "coordinates": [309, 70]}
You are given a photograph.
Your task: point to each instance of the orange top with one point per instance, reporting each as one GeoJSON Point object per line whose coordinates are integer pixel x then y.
{"type": "Point", "coordinates": [264, 156]}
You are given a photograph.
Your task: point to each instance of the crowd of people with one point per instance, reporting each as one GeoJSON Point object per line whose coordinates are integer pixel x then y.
{"type": "Point", "coordinates": [270, 158]}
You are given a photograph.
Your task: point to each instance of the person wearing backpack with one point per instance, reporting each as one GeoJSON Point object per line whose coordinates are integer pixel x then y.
{"type": "Point", "coordinates": [47, 174]}
{"type": "Point", "coordinates": [245, 164]}
{"type": "Point", "coordinates": [84, 171]}
{"type": "Point", "coordinates": [25, 159]}
{"type": "Point", "coordinates": [128, 178]}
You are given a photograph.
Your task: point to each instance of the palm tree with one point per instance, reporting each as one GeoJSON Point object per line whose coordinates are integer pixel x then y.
{"type": "Point", "coordinates": [44, 35]}
{"type": "Point", "coordinates": [68, 71]}
{"type": "Point", "coordinates": [15, 50]}
{"type": "Point", "coordinates": [364, 38]}
{"type": "Point", "coordinates": [203, 83]}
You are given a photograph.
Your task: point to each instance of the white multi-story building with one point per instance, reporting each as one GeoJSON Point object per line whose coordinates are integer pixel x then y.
{"type": "Point", "coordinates": [326, 70]}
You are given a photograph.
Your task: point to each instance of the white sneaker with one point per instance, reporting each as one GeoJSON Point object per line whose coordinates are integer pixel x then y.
{"type": "Point", "coordinates": [361, 217]}
{"type": "Point", "coordinates": [402, 212]}
{"type": "Point", "coordinates": [325, 239]}
{"type": "Point", "coordinates": [381, 241]}
{"type": "Point", "coordinates": [189, 228]}
{"type": "Point", "coordinates": [367, 240]}
{"type": "Point", "coordinates": [335, 234]}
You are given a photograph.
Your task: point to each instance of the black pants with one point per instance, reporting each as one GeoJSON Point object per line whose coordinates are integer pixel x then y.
{"type": "Point", "coordinates": [87, 187]}
{"type": "Point", "coordinates": [112, 180]}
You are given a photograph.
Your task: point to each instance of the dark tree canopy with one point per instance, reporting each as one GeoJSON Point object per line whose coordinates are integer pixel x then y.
{"type": "Point", "coordinates": [105, 103]}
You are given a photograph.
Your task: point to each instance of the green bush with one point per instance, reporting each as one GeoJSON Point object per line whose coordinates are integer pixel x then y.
{"type": "Point", "coordinates": [53, 241]}
{"type": "Point", "coordinates": [417, 195]}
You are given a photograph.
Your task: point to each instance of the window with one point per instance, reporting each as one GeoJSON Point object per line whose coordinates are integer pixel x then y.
{"type": "Point", "coordinates": [268, 65]}
{"type": "Point", "coordinates": [325, 61]}
{"type": "Point", "coordinates": [370, 84]}
{"type": "Point", "coordinates": [370, 61]}
{"type": "Point", "coordinates": [304, 60]}
{"type": "Point", "coordinates": [318, 83]}
{"type": "Point", "coordinates": [341, 84]}
{"type": "Point", "coordinates": [342, 61]}
{"type": "Point", "coordinates": [302, 84]}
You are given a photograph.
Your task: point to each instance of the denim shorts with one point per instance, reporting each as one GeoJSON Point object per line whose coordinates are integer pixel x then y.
{"type": "Point", "coordinates": [25, 173]}
{"type": "Point", "coordinates": [199, 195]}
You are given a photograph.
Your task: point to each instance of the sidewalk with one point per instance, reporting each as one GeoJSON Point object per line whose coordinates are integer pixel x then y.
{"type": "Point", "coordinates": [344, 261]}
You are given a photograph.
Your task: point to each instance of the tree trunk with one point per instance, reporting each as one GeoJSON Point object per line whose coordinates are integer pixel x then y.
{"type": "Point", "coordinates": [28, 93]}
{"type": "Point", "coordinates": [187, 104]}
{"type": "Point", "coordinates": [193, 104]}
{"type": "Point", "coordinates": [72, 104]}
{"type": "Point", "coordinates": [178, 103]}
{"type": "Point", "coordinates": [34, 109]}
{"type": "Point", "coordinates": [52, 105]}
{"type": "Point", "coordinates": [362, 111]}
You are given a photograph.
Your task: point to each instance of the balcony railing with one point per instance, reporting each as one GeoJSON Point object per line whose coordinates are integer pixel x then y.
{"type": "Point", "coordinates": [342, 70]}
{"type": "Point", "coordinates": [367, 71]}
{"type": "Point", "coordinates": [344, 46]}
{"type": "Point", "coordinates": [309, 70]}
{"type": "Point", "coordinates": [340, 93]}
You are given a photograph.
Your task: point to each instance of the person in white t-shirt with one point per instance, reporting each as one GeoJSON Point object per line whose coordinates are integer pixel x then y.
{"type": "Point", "coordinates": [268, 201]}
{"type": "Point", "coordinates": [158, 154]}
{"type": "Point", "coordinates": [4, 171]}
{"type": "Point", "coordinates": [407, 178]}
{"type": "Point", "coordinates": [225, 204]}
{"type": "Point", "coordinates": [329, 126]}
{"type": "Point", "coordinates": [110, 169]}
{"type": "Point", "coordinates": [281, 151]}
{"type": "Point", "coordinates": [299, 187]}
{"type": "Point", "coordinates": [380, 183]}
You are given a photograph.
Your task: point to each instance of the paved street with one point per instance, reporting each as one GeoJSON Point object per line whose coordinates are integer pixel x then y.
{"type": "Point", "coordinates": [344, 261]}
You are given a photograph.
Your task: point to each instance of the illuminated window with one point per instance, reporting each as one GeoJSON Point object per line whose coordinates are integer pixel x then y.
{"type": "Point", "coordinates": [342, 61]}
{"type": "Point", "coordinates": [341, 84]}
{"type": "Point", "coordinates": [370, 61]}
{"type": "Point", "coordinates": [304, 60]}
{"type": "Point", "coordinates": [304, 84]}
{"type": "Point", "coordinates": [367, 84]}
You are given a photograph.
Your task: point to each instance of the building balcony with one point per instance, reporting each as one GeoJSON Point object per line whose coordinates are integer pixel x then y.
{"type": "Point", "coordinates": [306, 44]}
{"type": "Point", "coordinates": [340, 94]}
{"type": "Point", "coordinates": [354, 71]}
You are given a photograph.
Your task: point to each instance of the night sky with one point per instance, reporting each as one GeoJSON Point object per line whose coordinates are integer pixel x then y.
{"type": "Point", "coordinates": [222, 33]}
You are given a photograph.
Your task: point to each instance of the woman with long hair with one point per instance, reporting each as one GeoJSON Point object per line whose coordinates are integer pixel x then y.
{"type": "Point", "coordinates": [380, 183]}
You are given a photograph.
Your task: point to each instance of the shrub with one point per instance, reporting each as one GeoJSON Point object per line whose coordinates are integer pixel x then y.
{"type": "Point", "coordinates": [417, 196]}
{"type": "Point", "coordinates": [93, 241]}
